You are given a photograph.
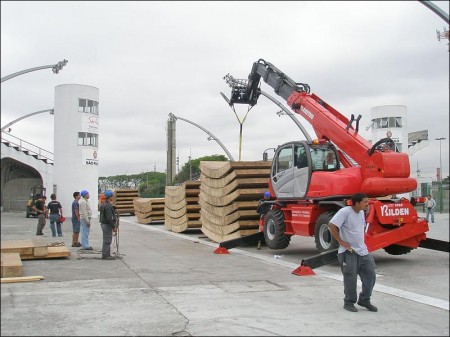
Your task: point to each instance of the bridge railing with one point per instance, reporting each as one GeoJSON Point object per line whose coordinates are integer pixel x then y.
{"type": "Point", "coordinates": [28, 148]}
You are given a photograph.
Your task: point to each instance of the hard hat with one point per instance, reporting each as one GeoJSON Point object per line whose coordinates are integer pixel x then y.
{"type": "Point", "coordinates": [108, 193]}
{"type": "Point", "coordinates": [266, 195]}
{"type": "Point", "coordinates": [62, 219]}
{"type": "Point", "coordinates": [83, 193]}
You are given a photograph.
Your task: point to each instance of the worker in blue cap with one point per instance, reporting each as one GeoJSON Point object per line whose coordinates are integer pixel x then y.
{"type": "Point", "coordinates": [263, 206]}
{"type": "Point", "coordinates": [85, 219]}
{"type": "Point", "coordinates": [108, 223]}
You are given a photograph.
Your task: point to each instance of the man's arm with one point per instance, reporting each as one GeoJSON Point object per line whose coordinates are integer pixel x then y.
{"type": "Point", "coordinates": [334, 230]}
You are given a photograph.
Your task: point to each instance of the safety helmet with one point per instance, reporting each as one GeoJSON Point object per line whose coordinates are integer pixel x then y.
{"type": "Point", "coordinates": [83, 193]}
{"type": "Point", "coordinates": [266, 195]}
{"type": "Point", "coordinates": [108, 193]}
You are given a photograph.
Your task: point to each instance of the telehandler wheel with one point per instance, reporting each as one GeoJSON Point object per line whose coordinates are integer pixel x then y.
{"type": "Point", "coordinates": [397, 250]}
{"type": "Point", "coordinates": [274, 228]}
{"type": "Point", "coordinates": [324, 240]}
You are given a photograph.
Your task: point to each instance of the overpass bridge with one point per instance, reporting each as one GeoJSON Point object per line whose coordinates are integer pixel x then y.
{"type": "Point", "coordinates": [23, 165]}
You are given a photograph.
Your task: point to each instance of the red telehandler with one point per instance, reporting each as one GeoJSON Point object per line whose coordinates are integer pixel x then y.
{"type": "Point", "coordinates": [311, 180]}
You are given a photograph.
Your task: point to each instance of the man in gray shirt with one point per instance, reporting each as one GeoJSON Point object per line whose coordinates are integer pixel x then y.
{"type": "Point", "coordinates": [347, 227]}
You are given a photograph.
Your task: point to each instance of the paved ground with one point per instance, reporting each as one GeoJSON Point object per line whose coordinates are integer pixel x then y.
{"type": "Point", "coordinates": [169, 284]}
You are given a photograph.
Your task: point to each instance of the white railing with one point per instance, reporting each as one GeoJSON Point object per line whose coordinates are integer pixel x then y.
{"type": "Point", "coordinates": [27, 148]}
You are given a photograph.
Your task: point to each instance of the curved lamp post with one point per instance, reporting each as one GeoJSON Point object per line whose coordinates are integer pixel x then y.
{"type": "Point", "coordinates": [55, 67]}
{"type": "Point", "coordinates": [25, 116]}
{"type": "Point", "coordinates": [211, 136]}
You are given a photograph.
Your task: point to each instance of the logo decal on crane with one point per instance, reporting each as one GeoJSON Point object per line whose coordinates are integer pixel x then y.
{"type": "Point", "coordinates": [306, 112]}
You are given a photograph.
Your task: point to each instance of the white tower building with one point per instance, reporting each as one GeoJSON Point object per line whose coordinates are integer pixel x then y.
{"type": "Point", "coordinates": [76, 144]}
{"type": "Point", "coordinates": [391, 121]}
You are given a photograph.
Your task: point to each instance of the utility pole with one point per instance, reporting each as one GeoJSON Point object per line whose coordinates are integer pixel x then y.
{"type": "Point", "coordinates": [441, 201]}
{"type": "Point", "coordinates": [190, 166]}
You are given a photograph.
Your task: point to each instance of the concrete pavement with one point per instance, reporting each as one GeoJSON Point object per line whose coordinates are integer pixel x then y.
{"type": "Point", "coordinates": [169, 284]}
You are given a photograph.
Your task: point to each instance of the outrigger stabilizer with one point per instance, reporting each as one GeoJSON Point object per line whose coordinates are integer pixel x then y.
{"type": "Point", "coordinates": [307, 265]}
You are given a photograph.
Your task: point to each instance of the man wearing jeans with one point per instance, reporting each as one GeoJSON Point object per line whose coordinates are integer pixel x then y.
{"type": "Point", "coordinates": [108, 222]}
{"type": "Point", "coordinates": [430, 205]}
{"type": "Point", "coordinates": [40, 209]}
{"type": "Point", "coordinates": [85, 219]}
{"type": "Point", "coordinates": [347, 227]}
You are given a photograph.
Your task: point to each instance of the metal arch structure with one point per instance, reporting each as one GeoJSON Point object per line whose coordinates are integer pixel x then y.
{"type": "Point", "coordinates": [211, 136]}
{"type": "Point", "coordinates": [436, 10]}
{"type": "Point", "coordinates": [25, 116]}
{"type": "Point", "coordinates": [55, 67]}
{"type": "Point", "coordinates": [290, 114]}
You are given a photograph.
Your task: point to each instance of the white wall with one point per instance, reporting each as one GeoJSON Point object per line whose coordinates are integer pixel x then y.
{"type": "Point", "coordinates": [72, 172]}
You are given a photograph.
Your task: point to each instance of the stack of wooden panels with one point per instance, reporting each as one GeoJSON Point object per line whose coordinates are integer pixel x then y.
{"type": "Point", "coordinates": [14, 251]}
{"type": "Point", "coordinates": [229, 195]}
{"type": "Point", "coordinates": [124, 200]}
{"type": "Point", "coordinates": [148, 210]}
{"type": "Point", "coordinates": [182, 211]}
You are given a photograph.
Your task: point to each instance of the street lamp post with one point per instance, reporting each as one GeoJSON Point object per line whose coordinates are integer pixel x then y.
{"type": "Point", "coordinates": [441, 202]}
{"type": "Point", "coordinates": [28, 115]}
{"type": "Point", "coordinates": [55, 67]}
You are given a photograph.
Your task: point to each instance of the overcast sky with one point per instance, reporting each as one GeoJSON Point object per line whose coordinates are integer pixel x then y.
{"type": "Point", "coordinates": [149, 59]}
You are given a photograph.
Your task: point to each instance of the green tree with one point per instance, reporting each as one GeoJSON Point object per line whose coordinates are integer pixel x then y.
{"type": "Point", "coordinates": [152, 185]}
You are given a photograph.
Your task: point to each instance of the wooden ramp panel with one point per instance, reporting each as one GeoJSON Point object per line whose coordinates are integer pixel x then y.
{"type": "Point", "coordinates": [237, 174]}
{"type": "Point", "coordinates": [221, 237]}
{"type": "Point", "coordinates": [218, 169]}
{"type": "Point", "coordinates": [229, 195]}
{"type": "Point", "coordinates": [182, 210]}
{"type": "Point", "coordinates": [124, 200]}
{"type": "Point", "coordinates": [148, 210]}
{"type": "Point", "coordinates": [225, 210]}
{"type": "Point", "coordinates": [11, 265]}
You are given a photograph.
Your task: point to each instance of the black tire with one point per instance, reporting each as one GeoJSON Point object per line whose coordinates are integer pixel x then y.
{"type": "Point", "coordinates": [397, 250]}
{"type": "Point", "coordinates": [274, 228]}
{"type": "Point", "coordinates": [322, 235]}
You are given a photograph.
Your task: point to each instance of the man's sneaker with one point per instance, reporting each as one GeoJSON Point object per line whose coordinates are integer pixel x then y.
{"type": "Point", "coordinates": [88, 248]}
{"type": "Point", "coordinates": [350, 307]}
{"type": "Point", "coordinates": [108, 258]}
{"type": "Point", "coordinates": [369, 306]}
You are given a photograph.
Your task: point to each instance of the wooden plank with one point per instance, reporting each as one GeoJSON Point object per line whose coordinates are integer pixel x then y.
{"type": "Point", "coordinates": [52, 252]}
{"type": "Point", "coordinates": [33, 247]}
{"type": "Point", "coordinates": [11, 265]}
{"type": "Point", "coordinates": [21, 279]}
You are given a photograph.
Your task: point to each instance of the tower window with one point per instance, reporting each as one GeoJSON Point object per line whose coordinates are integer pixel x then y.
{"type": "Point", "coordinates": [87, 106]}
{"type": "Point", "coordinates": [87, 139]}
